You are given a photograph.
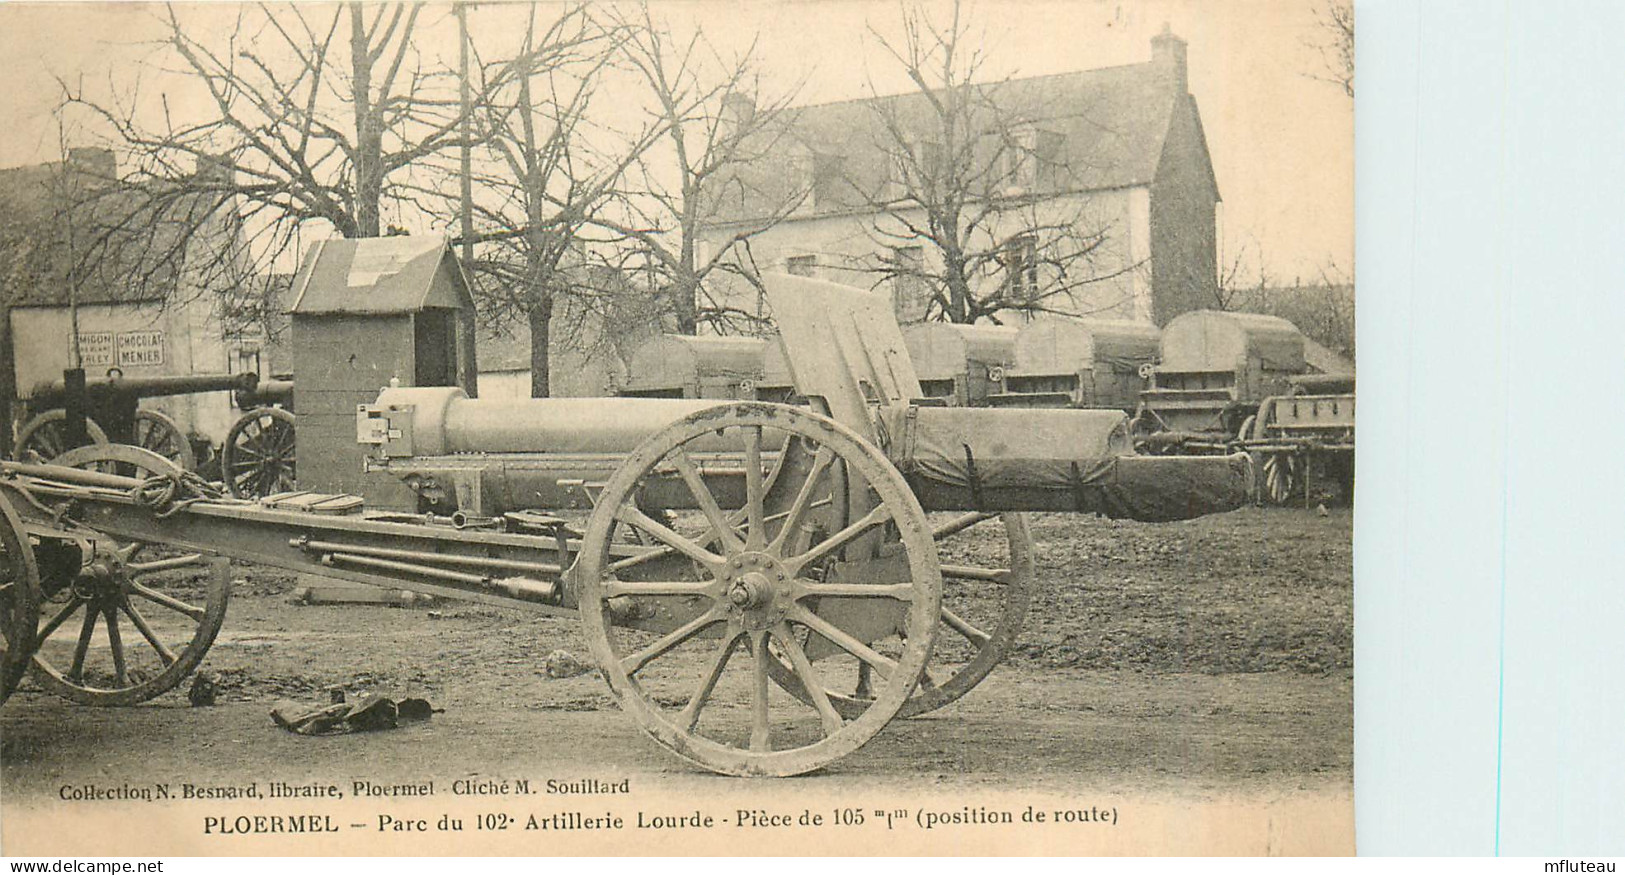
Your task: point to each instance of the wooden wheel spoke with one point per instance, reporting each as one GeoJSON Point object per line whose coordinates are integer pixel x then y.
{"type": "Point", "coordinates": [756, 531]}
{"type": "Point", "coordinates": [140, 623]}
{"type": "Point", "coordinates": [958, 624]}
{"type": "Point", "coordinates": [61, 617]}
{"type": "Point", "coordinates": [761, 734]}
{"type": "Point", "coordinates": [168, 601]}
{"type": "Point", "coordinates": [702, 695]}
{"type": "Point", "coordinates": [972, 572]}
{"type": "Point", "coordinates": [707, 502]}
{"type": "Point", "coordinates": [900, 591]}
{"type": "Point", "coordinates": [803, 500]}
{"type": "Point", "coordinates": [613, 588]}
{"type": "Point", "coordinates": [844, 641]}
{"type": "Point", "coordinates": [634, 663]}
{"type": "Point", "coordinates": [638, 559]}
{"type": "Point", "coordinates": [115, 643]}
{"type": "Point", "coordinates": [959, 524]}
{"type": "Point", "coordinates": [187, 561]}
{"type": "Point", "coordinates": [640, 520]}
{"type": "Point", "coordinates": [841, 538]}
{"type": "Point", "coordinates": [810, 681]}
{"type": "Point", "coordinates": [76, 671]}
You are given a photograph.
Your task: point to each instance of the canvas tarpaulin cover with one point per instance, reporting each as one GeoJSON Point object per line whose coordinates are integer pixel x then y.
{"type": "Point", "coordinates": [961, 458]}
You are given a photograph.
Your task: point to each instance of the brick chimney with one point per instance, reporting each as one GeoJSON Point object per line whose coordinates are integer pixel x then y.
{"type": "Point", "coordinates": [94, 162]}
{"type": "Point", "coordinates": [738, 109]}
{"type": "Point", "coordinates": [1168, 52]}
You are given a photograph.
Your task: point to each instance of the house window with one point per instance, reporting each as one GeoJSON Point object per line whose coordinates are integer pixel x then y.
{"type": "Point", "coordinates": [1019, 258]}
{"type": "Point", "coordinates": [801, 265]}
{"type": "Point", "coordinates": [911, 295]}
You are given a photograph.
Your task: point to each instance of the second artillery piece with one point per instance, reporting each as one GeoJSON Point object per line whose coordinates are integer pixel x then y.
{"type": "Point", "coordinates": [762, 585]}
{"type": "Point", "coordinates": [111, 405]}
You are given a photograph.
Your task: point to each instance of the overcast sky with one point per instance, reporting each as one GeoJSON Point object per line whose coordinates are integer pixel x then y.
{"type": "Point", "coordinates": [1281, 141]}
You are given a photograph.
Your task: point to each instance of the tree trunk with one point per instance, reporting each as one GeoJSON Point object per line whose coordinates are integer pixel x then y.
{"type": "Point", "coordinates": [683, 307]}
{"type": "Point", "coordinates": [369, 131]}
{"type": "Point", "coordinates": [540, 317]}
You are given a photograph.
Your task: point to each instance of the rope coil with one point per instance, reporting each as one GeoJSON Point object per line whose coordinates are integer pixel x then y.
{"type": "Point", "coordinates": [168, 494]}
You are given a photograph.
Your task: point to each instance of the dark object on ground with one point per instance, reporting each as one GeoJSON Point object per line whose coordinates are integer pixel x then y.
{"type": "Point", "coordinates": [357, 594]}
{"type": "Point", "coordinates": [367, 714]}
{"type": "Point", "coordinates": [203, 691]}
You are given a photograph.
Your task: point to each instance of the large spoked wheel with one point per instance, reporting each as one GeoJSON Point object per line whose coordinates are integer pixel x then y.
{"type": "Point", "coordinates": [258, 457]}
{"type": "Point", "coordinates": [158, 433]}
{"type": "Point", "coordinates": [130, 623]}
{"type": "Point", "coordinates": [988, 585]}
{"type": "Point", "coordinates": [19, 599]}
{"type": "Point", "coordinates": [760, 575]}
{"type": "Point", "coordinates": [1282, 476]}
{"type": "Point", "coordinates": [45, 437]}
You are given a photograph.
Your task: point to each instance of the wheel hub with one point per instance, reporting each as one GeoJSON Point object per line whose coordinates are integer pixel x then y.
{"type": "Point", "coordinates": [757, 588]}
{"type": "Point", "coordinates": [103, 578]}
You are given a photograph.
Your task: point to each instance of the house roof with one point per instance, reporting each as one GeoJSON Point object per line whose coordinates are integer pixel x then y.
{"type": "Point", "coordinates": [48, 223]}
{"type": "Point", "coordinates": [1113, 124]}
{"type": "Point", "coordinates": [379, 275]}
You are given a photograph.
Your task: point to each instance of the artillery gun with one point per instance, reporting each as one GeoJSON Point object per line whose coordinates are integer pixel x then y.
{"type": "Point", "coordinates": [117, 416]}
{"type": "Point", "coordinates": [761, 585]}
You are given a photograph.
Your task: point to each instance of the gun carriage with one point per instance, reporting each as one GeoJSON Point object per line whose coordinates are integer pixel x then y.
{"type": "Point", "coordinates": [762, 585]}
{"type": "Point", "coordinates": [113, 413]}
{"type": "Point", "coordinates": [1089, 363]}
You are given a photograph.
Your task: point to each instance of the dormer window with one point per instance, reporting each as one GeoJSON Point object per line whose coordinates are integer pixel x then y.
{"type": "Point", "coordinates": [916, 166]}
{"type": "Point", "coordinates": [1033, 161]}
{"type": "Point", "coordinates": [828, 174]}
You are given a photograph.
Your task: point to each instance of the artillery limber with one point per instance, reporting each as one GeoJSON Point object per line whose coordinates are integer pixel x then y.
{"type": "Point", "coordinates": [1216, 367]}
{"type": "Point", "coordinates": [682, 366]}
{"type": "Point", "coordinates": [960, 365]}
{"type": "Point", "coordinates": [1244, 382]}
{"type": "Point", "coordinates": [111, 405]}
{"type": "Point", "coordinates": [1295, 435]}
{"type": "Point", "coordinates": [761, 585]}
{"type": "Point", "coordinates": [1089, 363]}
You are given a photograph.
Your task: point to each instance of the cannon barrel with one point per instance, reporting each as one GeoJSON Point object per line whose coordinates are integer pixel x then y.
{"type": "Point", "coordinates": [54, 392]}
{"type": "Point", "coordinates": [516, 455]}
{"type": "Point", "coordinates": [265, 392]}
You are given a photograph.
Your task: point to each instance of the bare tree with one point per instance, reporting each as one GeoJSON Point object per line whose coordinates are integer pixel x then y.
{"type": "Point", "coordinates": [1238, 288]}
{"type": "Point", "coordinates": [546, 175]}
{"type": "Point", "coordinates": [973, 175]}
{"type": "Point", "coordinates": [315, 113]}
{"type": "Point", "coordinates": [1334, 22]}
{"type": "Point", "coordinates": [714, 117]}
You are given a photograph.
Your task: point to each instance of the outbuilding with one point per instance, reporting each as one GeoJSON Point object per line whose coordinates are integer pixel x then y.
{"type": "Point", "coordinates": [368, 314]}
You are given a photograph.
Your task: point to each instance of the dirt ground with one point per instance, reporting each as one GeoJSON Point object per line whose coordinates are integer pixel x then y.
{"type": "Point", "coordinates": [1194, 658]}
